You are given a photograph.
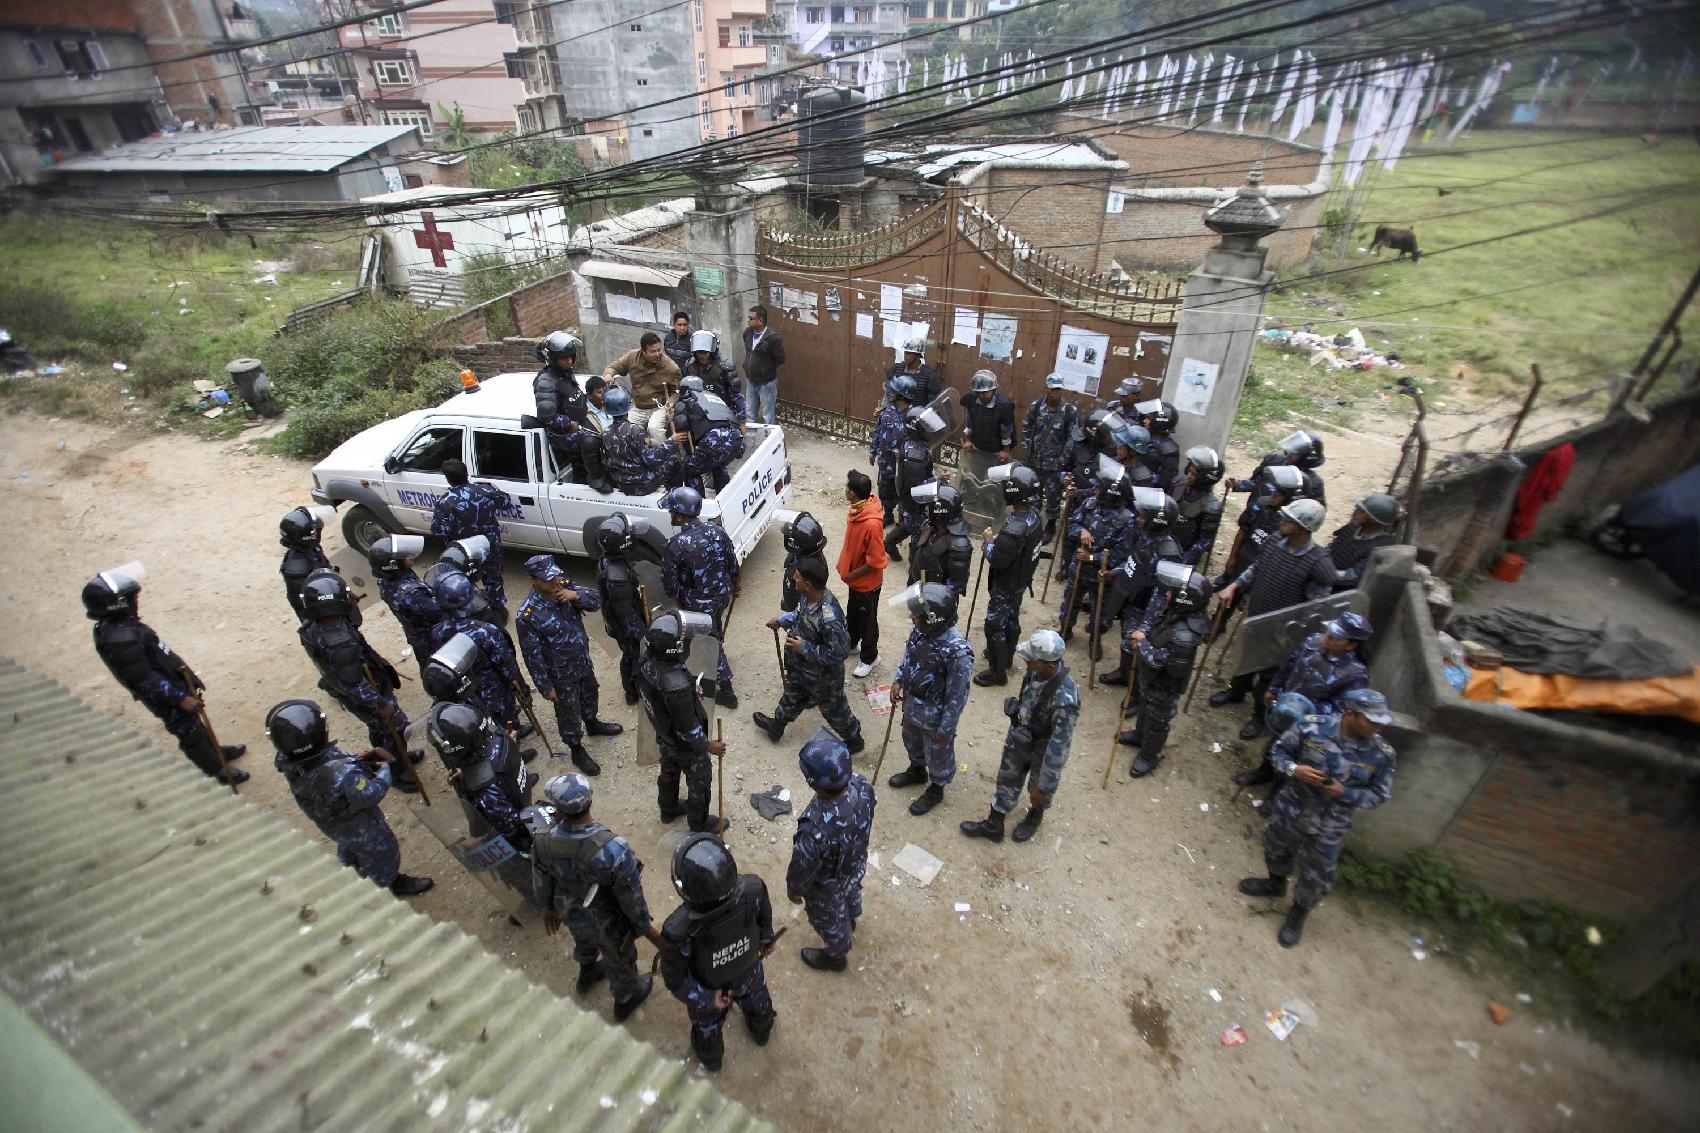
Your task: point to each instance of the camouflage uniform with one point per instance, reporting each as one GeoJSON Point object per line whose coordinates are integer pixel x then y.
{"type": "Point", "coordinates": [499, 673]}
{"type": "Point", "coordinates": [883, 448]}
{"type": "Point", "coordinates": [700, 570]}
{"type": "Point", "coordinates": [935, 673]}
{"type": "Point", "coordinates": [1048, 436]}
{"type": "Point", "coordinates": [341, 797]}
{"type": "Point", "coordinates": [557, 651]}
{"type": "Point", "coordinates": [1048, 710]}
{"type": "Point", "coordinates": [829, 855]}
{"type": "Point", "coordinates": [814, 671]}
{"type": "Point", "coordinates": [476, 509]}
{"type": "Point", "coordinates": [591, 878]}
{"type": "Point", "coordinates": [1308, 828]}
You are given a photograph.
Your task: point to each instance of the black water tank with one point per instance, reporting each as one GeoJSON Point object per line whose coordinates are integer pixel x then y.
{"type": "Point", "coordinates": [832, 149]}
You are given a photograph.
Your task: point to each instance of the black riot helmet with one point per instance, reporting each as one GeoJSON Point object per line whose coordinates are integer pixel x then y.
{"type": "Point", "coordinates": [297, 729]}
{"type": "Point", "coordinates": [667, 638]}
{"type": "Point", "coordinates": [1155, 509]}
{"type": "Point", "coordinates": [945, 507]}
{"type": "Point", "coordinates": [614, 537]}
{"type": "Point", "coordinates": [301, 527]}
{"type": "Point", "coordinates": [1116, 493]}
{"type": "Point", "coordinates": [325, 595]}
{"type": "Point", "coordinates": [804, 535]}
{"type": "Point", "coordinates": [1303, 448]}
{"type": "Point", "coordinates": [559, 346]}
{"type": "Point", "coordinates": [704, 871]}
{"type": "Point", "coordinates": [1381, 508]}
{"type": "Point", "coordinates": [457, 730]}
{"type": "Point", "coordinates": [934, 603]}
{"type": "Point", "coordinates": [1204, 460]}
{"type": "Point", "coordinates": [1018, 483]}
{"type": "Point", "coordinates": [1189, 589]}
{"type": "Point", "coordinates": [451, 672]}
{"type": "Point", "coordinates": [112, 593]}
{"type": "Point", "coordinates": [1158, 416]}
{"type": "Point", "coordinates": [388, 556]}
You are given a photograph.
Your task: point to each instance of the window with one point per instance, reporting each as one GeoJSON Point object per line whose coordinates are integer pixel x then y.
{"type": "Point", "coordinates": [74, 56]}
{"type": "Point", "coordinates": [392, 73]}
{"type": "Point", "coordinates": [500, 456]}
{"type": "Point", "coordinates": [814, 15]}
{"type": "Point", "coordinates": [697, 8]}
{"type": "Point", "coordinates": [649, 133]}
{"type": "Point", "coordinates": [729, 84]}
{"type": "Point", "coordinates": [747, 90]}
{"type": "Point", "coordinates": [634, 27]}
{"type": "Point", "coordinates": [97, 55]}
{"type": "Point", "coordinates": [391, 24]}
{"type": "Point", "coordinates": [38, 57]}
{"type": "Point", "coordinates": [516, 65]}
{"type": "Point", "coordinates": [702, 69]}
{"type": "Point", "coordinates": [527, 120]}
{"type": "Point", "coordinates": [427, 451]}
{"type": "Point", "coordinates": [732, 130]}
{"type": "Point", "coordinates": [837, 44]}
{"type": "Point", "coordinates": [940, 8]}
{"type": "Point", "coordinates": [725, 36]}
{"type": "Point", "coordinates": [918, 11]}
{"type": "Point", "coordinates": [958, 9]}
{"type": "Point", "coordinates": [864, 15]}
{"type": "Point", "coordinates": [506, 10]}
{"type": "Point", "coordinates": [643, 82]}
{"type": "Point", "coordinates": [412, 181]}
{"type": "Point", "coordinates": [743, 35]}
{"type": "Point", "coordinates": [417, 118]}
{"type": "Point", "coordinates": [838, 16]}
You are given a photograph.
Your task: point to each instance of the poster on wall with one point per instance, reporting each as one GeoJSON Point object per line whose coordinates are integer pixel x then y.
{"type": "Point", "coordinates": [1197, 386]}
{"type": "Point", "coordinates": [997, 337]}
{"type": "Point", "coordinates": [629, 308]}
{"type": "Point", "coordinates": [800, 305]}
{"type": "Point", "coordinates": [864, 325]}
{"type": "Point", "coordinates": [891, 302]}
{"type": "Point", "coordinates": [834, 301]}
{"type": "Point", "coordinates": [1080, 358]}
{"type": "Point", "coordinates": [1159, 343]}
{"type": "Point", "coordinates": [776, 295]}
{"type": "Point", "coordinates": [965, 328]}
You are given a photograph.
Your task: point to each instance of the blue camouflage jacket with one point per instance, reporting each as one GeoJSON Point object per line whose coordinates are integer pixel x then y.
{"type": "Point", "coordinates": [553, 639]}
{"type": "Point", "coordinates": [1312, 673]}
{"type": "Point", "coordinates": [830, 848]}
{"type": "Point", "coordinates": [699, 567]}
{"type": "Point", "coordinates": [1365, 767]}
{"type": "Point", "coordinates": [935, 673]}
{"type": "Point", "coordinates": [826, 638]}
{"type": "Point", "coordinates": [1052, 705]}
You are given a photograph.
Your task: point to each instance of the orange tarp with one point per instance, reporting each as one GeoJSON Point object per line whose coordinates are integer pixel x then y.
{"type": "Point", "coordinates": [1658, 696]}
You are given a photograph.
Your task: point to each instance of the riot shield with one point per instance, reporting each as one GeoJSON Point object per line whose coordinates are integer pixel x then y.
{"type": "Point", "coordinates": [648, 747]}
{"type": "Point", "coordinates": [490, 858]}
{"type": "Point", "coordinates": [941, 420]}
{"type": "Point", "coordinates": [1266, 639]}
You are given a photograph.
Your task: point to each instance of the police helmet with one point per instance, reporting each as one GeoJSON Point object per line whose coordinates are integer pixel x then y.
{"type": "Point", "coordinates": [683, 501]}
{"type": "Point", "coordinates": [1155, 508]}
{"type": "Point", "coordinates": [825, 760]}
{"type": "Point", "coordinates": [935, 604]}
{"type": "Point", "coordinates": [539, 819]}
{"type": "Point", "coordinates": [451, 671]}
{"type": "Point", "coordinates": [113, 591]}
{"type": "Point", "coordinates": [569, 793]}
{"type": "Point", "coordinates": [705, 342]}
{"type": "Point", "coordinates": [300, 527]}
{"type": "Point", "coordinates": [453, 591]}
{"type": "Point", "coordinates": [325, 594]}
{"type": "Point", "coordinates": [946, 505]}
{"type": "Point", "coordinates": [1289, 708]}
{"type": "Point", "coordinates": [1303, 448]}
{"type": "Point", "coordinates": [901, 388]}
{"type": "Point", "coordinates": [1207, 463]}
{"type": "Point", "coordinates": [1158, 415]}
{"type": "Point", "coordinates": [297, 729]}
{"type": "Point", "coordinates": [1349, 626]}
{"type": "Point", "coordinates": [456, 729]}
{"type": "Point", "coordinates": [1135, 438]}
{"type": "Point", "coordinates": [557, 344]}
{"type": "Point", "coordinates": [1189, 589]}
{"type": "Point", "coordinates": [704, 872]}
{"type": "Point", "coordinates": [915, 423]}
{"type": "Point", "coordinates": [1129, 387]}
{"type": "Point", "coordinates": [1308, 514]}
{"type": "Point", "coordinates": [804, 535]}
{"type": "Point", "coordinates": [666, 638]}
{"type": "Point", "coordinates": [1285, 479]}
{"type": "Point", "coordinates": [914, 346]}
{"type": "Point", "coordinates": [691, 384]}
{"type": "Point", "coordinates": [1043, 645]}
{"type": "Point", "coordinates": [1117, 492]}
{"type": "Point", "coordinates": [1381, 508]}
{"type": "Point", "coordinates": [1021, 485]}
{"type": "Point", "coordinates": [1096, 429]}
{"type": "Point", "coordinates": [617, 402]}
{"type": "Point", "coordinates": [388, 556]}
{"type": "Point", "coordinates": [983, 381]}
{"type": "Point", "coordinates": [614, 537]}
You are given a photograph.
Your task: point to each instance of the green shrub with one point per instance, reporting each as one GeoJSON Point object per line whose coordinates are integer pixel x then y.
{"type": "Point", "coordinates": [52, 323]}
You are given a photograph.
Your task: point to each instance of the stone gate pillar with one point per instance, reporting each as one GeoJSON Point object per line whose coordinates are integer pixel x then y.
{"type": "Point", "coordinates": [1219, 316]}
{"type": "Point", "coordinates": [720, 246]}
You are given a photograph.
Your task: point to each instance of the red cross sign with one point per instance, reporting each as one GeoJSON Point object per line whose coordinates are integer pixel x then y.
{"type": "Point", "coordinates": [434, 238]}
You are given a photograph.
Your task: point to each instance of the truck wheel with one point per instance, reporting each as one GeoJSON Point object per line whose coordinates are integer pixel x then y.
{"type": "Point", "coordinates": [361, 527]}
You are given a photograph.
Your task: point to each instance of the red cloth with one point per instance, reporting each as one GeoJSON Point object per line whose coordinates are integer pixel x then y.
{"type": "Point", "coordinates": [1539, 488]}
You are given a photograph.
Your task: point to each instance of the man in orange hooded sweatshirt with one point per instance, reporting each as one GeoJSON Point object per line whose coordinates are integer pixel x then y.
{"type": "Point", "coordinates": [861, 564]}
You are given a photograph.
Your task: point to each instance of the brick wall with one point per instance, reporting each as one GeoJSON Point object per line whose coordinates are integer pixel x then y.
{"type": "Point", "coordinates": [1167, 157]}
{"type": "Point", "coordinates": [1171, 234]}
{"type": "Point", "coordinates": [1059, 210]}
{"type": "Point", "coordinates": [545, 306]}
{"type": "Point", "coordinates": [487, 359]}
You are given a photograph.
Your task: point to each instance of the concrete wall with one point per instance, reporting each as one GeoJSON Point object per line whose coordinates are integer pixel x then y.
{"type": "Point", "coordinates": [1531, 808]}
{"type": "Point", "coordinates": [1462, 511]}
{"type": "Point", "coordinates": [600, 71]}
{"type": "Point", "coordinates": [32, 96]}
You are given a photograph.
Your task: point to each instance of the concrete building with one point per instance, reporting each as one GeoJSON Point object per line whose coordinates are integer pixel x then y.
{"type": "Point", "coordinates": [728, 59]}
{"type": "Point", "coordinates": [406, 77]}
{"type": "Point", "coordinates": [815, 30]}
{"type": "Point", "coordinates": [211, 89]}
{"type": "Point", "coordinates": [611, 62]}
{"type": "Point", "coordinates": [56, 98]}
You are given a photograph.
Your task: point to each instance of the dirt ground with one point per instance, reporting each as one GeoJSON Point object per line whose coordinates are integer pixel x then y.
{"type": "Point", "coordinates": [1078, 990]}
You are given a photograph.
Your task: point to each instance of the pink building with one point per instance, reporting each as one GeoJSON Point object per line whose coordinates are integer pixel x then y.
{"type": "Point", "coordinates": [728, 59]}
{"type": "Point", "coordinates": [409, 78]}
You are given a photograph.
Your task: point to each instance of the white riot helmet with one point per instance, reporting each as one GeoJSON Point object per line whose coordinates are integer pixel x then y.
{"type": "Point", "coordinates": [914, 346]}
{"type": "Point", "coordinates": [705, 341]}
{"type": "Point", "coordinates": [1308, 514]}
{"type": "Point", "coordinates": [983, 381]}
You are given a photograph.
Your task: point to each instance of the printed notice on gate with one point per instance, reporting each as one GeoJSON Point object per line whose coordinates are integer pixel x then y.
{"type": "Point", "coordinates": [1198, 385]}
{"type": "Point", "coordinates": [997, 337]}
{"type": "Point", "coordinates": [1080, 359]}
{"type": "Point", "coordinates": [891, 302]}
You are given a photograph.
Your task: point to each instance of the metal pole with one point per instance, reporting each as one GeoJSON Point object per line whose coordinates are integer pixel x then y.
{"type": "Point", "coordinates": [1056, 546]}
{"type": "Point", "coordinates": [1198, 670]}
{"type": "Point", "coordinates": [1115, 733]}
{"type": "Point", "coordinates": [223, 767]}
{"type": "Point", "coordinates": [779, 652]}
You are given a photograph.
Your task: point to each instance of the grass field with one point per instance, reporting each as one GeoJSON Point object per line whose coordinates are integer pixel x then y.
{"type": "Point", "coordinates": [1581, 298]}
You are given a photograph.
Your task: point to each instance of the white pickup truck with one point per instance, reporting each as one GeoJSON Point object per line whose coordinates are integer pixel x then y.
{"type": "Point", "coordinates": [391, 475]}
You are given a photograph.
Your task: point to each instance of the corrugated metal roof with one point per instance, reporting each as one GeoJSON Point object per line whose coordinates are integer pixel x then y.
{"type": "Point", "coordinates": [310, 149]}
{"type": "Point", "coordinates": [633, 273]}
{"type": "Point", "coordinates": [215, 968]}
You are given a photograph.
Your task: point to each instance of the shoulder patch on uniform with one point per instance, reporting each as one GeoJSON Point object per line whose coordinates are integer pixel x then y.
{"type": "Point", "coordinates": [359, 782]}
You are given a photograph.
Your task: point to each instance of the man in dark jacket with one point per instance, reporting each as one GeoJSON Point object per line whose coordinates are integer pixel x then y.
{"type": "Point", "coordinates": [764, 353]}
{"type": "Point", "coordinates": [676, 343]}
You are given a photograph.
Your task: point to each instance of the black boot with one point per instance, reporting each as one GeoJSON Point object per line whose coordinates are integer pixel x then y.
{"type": "Point", "coordinates": [1264, 886]}
{"type": "Point", "coordinates": [991, 676]}
{"type": "Point", "coordinates": [1123, 674]}
{"type": "Point", "coordinates": [761, 1026]}
{"type": "Point", "coordinates": [912, 776]}
{"type": "Point", "coordinates": [990, 827]}
{"type": "Point", "coordinates": [405, 886]}
{"type": "Point", "coordinates": [624, 1009]}
{"type": "Point", "coordinates": [1225, 696]}
{"type": "Point", "coordinates": [1262, 773]}
{"type": "Point", "coordinates": [588, 975]}
{"type": "Point", "coordinates": [820, 961]}
{"type": "Point", "coordinates": [1251, 729]}
{"type": "Point", "coordinates": [234, 751]}
{"type": "Point", "coordinates": [710, 1051]}
{"type": "Point", "coordinates": [775, 729]}
{"type": "Point", "coordinates": [856, 744]}
{"type": "Point", "coordinates": [1129, 737]}
{"type": "Point", "coordinates": [595, 727]}
{"type": "Point", "coordinates": [726, 697]}
{"type": "Point", "coordinates": [631, 694]}
{"type": "Point", "coordinates": [927, 800]}
{"type": "Point", "coordinates": [1144, 764]}
{"type": "Point", "coordinates": [1029, 824]}
{"type": "Point", "coordinates": [582, 761]}
{"type": "Point", "coordinates": [523, 730]}
{"type": "Point", "coordinates": [233, 775]}
{"type": "Point", "coordinates": [1293, 928]}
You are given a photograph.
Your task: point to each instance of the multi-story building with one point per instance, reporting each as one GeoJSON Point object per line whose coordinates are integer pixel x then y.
{"type": "Point", "coordinates": [614, 70]}
{"type": "Point", "coordinates": [872, 31]}
{"type": "Point", "coordinates": [728, 59]}
{"type": "Point", "coordinates": [209, 89]}
{"type": "Point", "coordinates": [415, 68]}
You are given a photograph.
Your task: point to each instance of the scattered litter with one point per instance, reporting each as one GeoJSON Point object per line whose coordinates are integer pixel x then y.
{"type": "Point", "coordinates": [1188, 854]}
{"type": "Point", "coordinates": [1205, 807]}
{"type": "Point", "coordinates": [874, 861]}
{"type": "Point", "coordinates": [648, 1098]}
{"type": "Point", "coordinates": [963, 907]}
{"type": "Point", "coordinates": [23, 475]}
{"type": "Point", "coordinates": [879, 700]}
{"type": "Point", "coordinates": [607, 1102]}
{"type": "Point", "coordinates": [203, 386]}
{"type": "Point", "coordinates": [215, 411]}
{"type": "Point", "coordinates": [894, 881]}
{"type": "Point", "coordinates": [51, 370]}
{"type": "Point", "coordinates": [1256, 804]}
{"type": "Point", "coordinates": [917, 863]}
{"type": "Point", "coordinates": [1280, 1022]}
{"type": "Point", "coordinates": [120, 367]}
{"type": "Point", "coordinates": [1499, 1013]}
{"type": "Point", "coordinates": [772, 803]}
{"type": "Point", "coordinates": [184, 311]}
{"type": "Point", "coordinates": [1594, 937]}
{"type": "Point", "coordinates": [1564, 1110]}
{"type": "Point", "coordinates": [1006, 907]}
{"type": "Point", "coordinates": [1336, 352]}
{"type": "Point", "coordinates": [1525, 997]}
{"type": "Point", "coordinates": [407, 653]}
{"type": "Point", "coordinates": [1215, 748]}
{"type": "Point", "coordinates": [61, 446]}
{"type": "Point", "coordinates": [1236, 1036]}
{"type": "Point", "coordinates": [1216, 995]}
{"type": "Point", "coordinates": [1302, 1011]}
{"type": "Point", "coordinates": [1418, 954]}
{"type": "Point", "coordinates": [1474, 1050]}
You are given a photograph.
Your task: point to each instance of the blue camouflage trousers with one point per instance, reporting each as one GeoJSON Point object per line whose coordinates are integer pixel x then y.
{"type": "Point", "coordinates": [1051, 485]}
{"type": "Point", "coordinates": [925, 751]}
{"type": "Point", "coordinates": [372, 850]}
{"type": "Point", "coordinates": [575, 703]}
{"type": "Point", "coordinates": [833, 910]}
{"type": "Point", "coordinates": [698, 773]}
{"type": "Point", "coordinates": [1317, 857]}
{"type": "Point", "coordinates": [708, 460]}
{"type": "Point", "coordinates": [599, 932]}
{"type": "Point", "coordinates": [802, 691]}
{"type": "Point", "coordinates": [749, 993]}
{"type": "Point", "coordinates": [1018, 763]}
{"type": "Point", "coordinates": [1003, 627]}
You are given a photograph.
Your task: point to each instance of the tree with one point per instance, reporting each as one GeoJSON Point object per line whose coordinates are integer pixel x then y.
{"type": "Point", "coordinates": [454, 132]}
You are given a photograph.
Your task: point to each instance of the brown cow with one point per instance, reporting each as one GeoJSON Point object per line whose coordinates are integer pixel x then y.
{"type": "Point", "coordinates": [1403, 240]}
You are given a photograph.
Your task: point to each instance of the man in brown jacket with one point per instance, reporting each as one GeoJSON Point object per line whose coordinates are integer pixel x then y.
{"type": "Point", "coordinates": [645, 371]}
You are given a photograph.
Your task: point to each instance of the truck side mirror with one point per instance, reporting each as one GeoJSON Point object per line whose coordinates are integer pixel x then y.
{"type": "Point", "coordinates": [392, 465]}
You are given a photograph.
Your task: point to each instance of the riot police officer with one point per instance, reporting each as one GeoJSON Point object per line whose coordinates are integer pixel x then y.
{"type": "Point", "coordinates": [715, 439]}
{"type": "Point", "coordinates": [485, 768]}
{"type": "Point", "coordinates": [623, 613]}
{"type": "Point", "coordinates": [340, 792]}
{"type": "Point", "coordinates": [713, 945]}
{"type": "Point", "coordinates": [719, 374]}
{"type": "Point", "coordinates": [945, 550]}
{"type": "Point", "coordinates": [557, 651]}
{"type": "Point", "coordinates": [829, 851]}
{"type": "Point", "coordinates": [914, 367]}
{"type": "Point", "coordinates": [409, 599]}
{"type": "Point", "coordinates": [1049, 433]}
{"type": "Point", "coordinates": [1042, 717]}
{"type": "Point", "coordinates": [817, 643]}
{"type": "Point", "coordinates": [1167, 654]}
{"type": "Point", "coordinates": [1102, 531]}
{"type": "Point", "coordinates": [988, 425]}
{"type": "Point", "coordinates": [468, 509]}
{"type": "Point", "coordinates": [561, 405]}
{"type": "Point", "coordinates": [1199, 510]}
{"type": "Point", "coordinates": [153, 674]}
{"type": "Point", "coordinates": [636, 466]}
{"type": "Point", "coordinates": [1012, 555]}
{"type": "Point", "coordinates": [886, 441]}
{"type": "Point", "coordinates": [1369, 529]}
{"type": "Point", "coordinates": [804, 539]}
{"type": "Point", "coordinates": [588, 876]}
{"type": "Point", "coordinates": [932, 682]}
{"type": "Point", "coordinates": [914, 468]}
{"type": "Point", "coordinates": [700, 572]}
{"type": "Point", "coordinates": [1130, 589]}
{"type": "Point", "coordinates": [299, 532]}
{"type": "Point", "coordinates": [675, 710]}
{"type": "Point", "coordinates": [1163, 454]}
{"type": "Point", "coordinates": [1300, 449]}
{"type": "Point", "coordinates": [497, 679]}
